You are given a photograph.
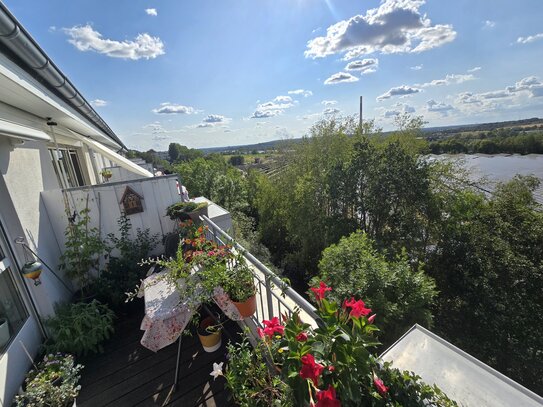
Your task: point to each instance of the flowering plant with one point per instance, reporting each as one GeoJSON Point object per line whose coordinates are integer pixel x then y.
{"type": "Point", "coordinates": [333, 364]}
{"type": "Point", "coordinates": [54, 382]}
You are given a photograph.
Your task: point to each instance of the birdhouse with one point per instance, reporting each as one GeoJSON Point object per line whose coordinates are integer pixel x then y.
{"type": "Point", "coordinates": [131, 201]}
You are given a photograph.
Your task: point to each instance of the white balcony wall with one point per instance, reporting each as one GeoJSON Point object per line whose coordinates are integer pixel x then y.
{"type": "Point", "coordinates": [104, 202]}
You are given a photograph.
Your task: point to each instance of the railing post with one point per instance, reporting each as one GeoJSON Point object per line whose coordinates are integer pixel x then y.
{"type": "Point", "coordinates": [269, 296]}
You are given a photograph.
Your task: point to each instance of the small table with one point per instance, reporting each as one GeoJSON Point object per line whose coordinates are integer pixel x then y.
{"type": "Point", "coordinates": [167, 314]}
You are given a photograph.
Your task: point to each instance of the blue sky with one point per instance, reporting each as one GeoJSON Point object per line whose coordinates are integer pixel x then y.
{"type": "Point", "coordinates": [211, 73]}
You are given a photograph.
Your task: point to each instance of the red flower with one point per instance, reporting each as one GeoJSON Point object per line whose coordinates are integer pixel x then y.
{"type": "Point", "coordinates": [272, 327]}
{"type": "Point", "coordinates": [331, 368]}
{"type": "Point", "coordinates": [327, 398]}
{"type": "Point", "coordinates": [260, 332]}
{"type": "Point", "coordinates": [301, 337]}
{"type": "Point", "coordinates": [358, 308]}
{"type": "Point", "coordinates": [370, 319]}
{"type": "Point", "coordinates": [319, 292]}
{"type": "Point", "coordinates": [310, 369]}
{"type": "Point", "coordinates": [380, 386]}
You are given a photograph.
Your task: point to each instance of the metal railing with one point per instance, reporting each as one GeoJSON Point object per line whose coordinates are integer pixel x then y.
{"type": "Point", "coordinates": [274, 296]}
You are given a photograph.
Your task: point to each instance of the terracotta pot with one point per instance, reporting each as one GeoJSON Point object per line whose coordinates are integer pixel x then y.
{"type": "Point", "coordinates": [211, 341]}
{"type": "Point", "coordinates": [247, 308]}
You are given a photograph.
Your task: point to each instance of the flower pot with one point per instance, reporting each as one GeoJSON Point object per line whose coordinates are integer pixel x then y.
{"type": "Point", "coordinates": [4, 332]}
{"type": "Point", "coordinates": [211, 341]}
{"type": "Point", "coordinates": [247, 308]}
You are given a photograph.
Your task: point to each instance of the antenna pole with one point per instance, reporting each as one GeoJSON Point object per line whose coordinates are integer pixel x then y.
{"type": "Point", "coordinates": [360, 124]}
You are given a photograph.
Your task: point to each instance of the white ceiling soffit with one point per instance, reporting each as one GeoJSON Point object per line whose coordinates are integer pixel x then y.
{"type": "Point", "coordinates": [462, 377]}
{"type": "Point", "coordinates": [22, 132]}
{"type": "Point", "coordinates": [113, 156]}
{"type": "Point", "coordinates": [20, 90]}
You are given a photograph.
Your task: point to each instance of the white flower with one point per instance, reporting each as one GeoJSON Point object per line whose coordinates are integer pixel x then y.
{"type": "Point", "coordinates": [217, 370]}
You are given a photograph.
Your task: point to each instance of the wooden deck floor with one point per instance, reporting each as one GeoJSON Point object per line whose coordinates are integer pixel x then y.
{"type": "Point", "coordinates": [127, 374]}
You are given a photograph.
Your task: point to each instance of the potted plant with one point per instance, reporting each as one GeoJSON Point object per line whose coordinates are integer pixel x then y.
{"type": "Point", "coordinates": [4, 331]}
{"type": "Point", "coordinates": [240, 287]}
{"type": "Point", "coordinates": [53, 382]}
{"type": "Point", "coordinates": [209, 332]}
{"type": "Point", "coordinates": [106, 174]}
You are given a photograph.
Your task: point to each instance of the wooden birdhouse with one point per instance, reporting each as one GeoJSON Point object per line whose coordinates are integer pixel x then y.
{"type": "Point", "coordinates": [131, 201]}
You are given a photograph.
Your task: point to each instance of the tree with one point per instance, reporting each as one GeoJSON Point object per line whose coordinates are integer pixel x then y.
{"type": "Point", "coordinates": [237, 160]}
{"type": "Point", "coordinates": [398, 294]}
{"type": "Point", "coordinates": [488, 265]}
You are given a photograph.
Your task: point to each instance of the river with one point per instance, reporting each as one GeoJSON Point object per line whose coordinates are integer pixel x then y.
{"type": "Point", "coordinates": [501, 167]}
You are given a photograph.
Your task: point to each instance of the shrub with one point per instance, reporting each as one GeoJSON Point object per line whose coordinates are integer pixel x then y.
{"type": "Point", "coordinates": [400, 296]}
{"type": "Point", "coordinates": [79, 328]}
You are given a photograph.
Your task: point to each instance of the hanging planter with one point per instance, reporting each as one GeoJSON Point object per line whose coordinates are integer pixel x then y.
{"type": "Point", "coordinates": [106, 174]}
{"type": "Point", "coordinates": [32, 270]}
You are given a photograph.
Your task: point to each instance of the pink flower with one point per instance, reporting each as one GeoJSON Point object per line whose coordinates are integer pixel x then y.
{"type": "Point", "coordinates": [358, 308]}
{"type": "Point", "coordinates": [327, 398]}
{"type": "Point", "coordinates": [301, 337]}
{"type": "Point", "coordinates": [320, 292]}
{"type": "Point", "coordinates": [331, 368]}
{"type": "Point", "coordinates": [370, 319]}
{"type": "Point", "coordinates": [310, 369]}
{"type": "Point", "coordinates": [380, 386]}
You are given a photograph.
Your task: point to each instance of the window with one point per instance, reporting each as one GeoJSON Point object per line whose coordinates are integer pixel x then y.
{"type": "Point", "coordinates": [12, 311]}
{"type": "Point", "coordinates": [69, 166]}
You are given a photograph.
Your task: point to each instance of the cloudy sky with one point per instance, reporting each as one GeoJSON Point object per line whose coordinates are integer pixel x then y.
{"type": "Point", "coordinates": [208, 73]}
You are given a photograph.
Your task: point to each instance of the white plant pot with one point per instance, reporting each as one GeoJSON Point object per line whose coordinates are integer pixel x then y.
{"type": "Point", "coordinates": [4, 332]}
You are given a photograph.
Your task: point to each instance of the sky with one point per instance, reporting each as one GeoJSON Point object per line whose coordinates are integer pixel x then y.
{"type": "Point", "coordinates": [210, 73]}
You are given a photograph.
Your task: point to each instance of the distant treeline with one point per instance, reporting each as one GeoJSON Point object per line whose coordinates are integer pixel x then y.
{"type": "Point", "coordinates": [493, 142]}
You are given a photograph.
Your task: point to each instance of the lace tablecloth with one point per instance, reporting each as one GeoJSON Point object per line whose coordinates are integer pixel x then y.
{"type": "Point", "coordinates": [167, 314]}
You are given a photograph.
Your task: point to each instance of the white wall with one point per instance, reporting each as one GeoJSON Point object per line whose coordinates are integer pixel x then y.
{"type": "Point", "coordinates": [105, 209]}
{"type": "Point", "coordinates": [26, 170]}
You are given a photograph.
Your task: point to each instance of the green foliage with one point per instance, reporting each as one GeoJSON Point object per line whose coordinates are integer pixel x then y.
{"type": "Point", "coordinates": [494, 142]}
{"type": "Point", "coordinates": [124, 270]}
{"type": "Point", "coordinates": [84, 248]}
{"type": "Point", "coordinates": [250, 381]}
{"type": "Point", "coordinates": [79, 328]}
{"type": "Point", "coordinates": [179, 153]}
{"type": "Point", "coordinates": [408, 390]}
{"type": "Point", "coordinates": [218, 181]}
{"type": "Point", "coordinates": [398, 294]}
{"type": "Point", "coordinates": [339, 354]}
{"type": "Point", "coordinates": [488, 265]}
{"type": "Point", "coordinates": [237, 160]}
{"type": "Point", "coordinates": [181, 210]}
{"type": "Point", "coordinates": [54, 382]}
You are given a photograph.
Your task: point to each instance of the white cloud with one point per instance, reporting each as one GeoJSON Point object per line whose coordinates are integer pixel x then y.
{"type": "Point", "coordinates": [489, 24]}
{"type": "Point", "coordinates": [99, 102]}
{"type": "Point", "coordinates": [85, 38]}
{"type": "Point", "coordinates": [151, 12]}
{"type": "Point", "coordinates": [417, 67]}
{"type": "Point", "coordinates": [403, 90]}
{"type": "Point", "coordinates": [171, 108]}
{"type": "Point", "coordinates": [273, 108]}
{"type": "Point", "coordinates": [395, 26]}
{"type": "Point", "coordinates": [340, 77]}
{"type": "Point", "coordinates": [530, 38]}
{"type": "Point", "coordinates": [439, 107]}
{"type": "Point", "coordinates": [302, 92]}
{"type": "Point", "coordinates": [329, 111]}
{"type": "Point", "coordinates": [329, 102]}
{"type": "Point", "coordinates": [213, 120]}
{"type": "Point", "coordinates": [282, 99]}
{"type": "Point", "coordinates": [365, 66]}
{"type": "Point", "coordinates": [449, 80]}
{"type": "Point", "coordinates": [399, 108]}
{"type": "Point", "coordinates": [475, 69]}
